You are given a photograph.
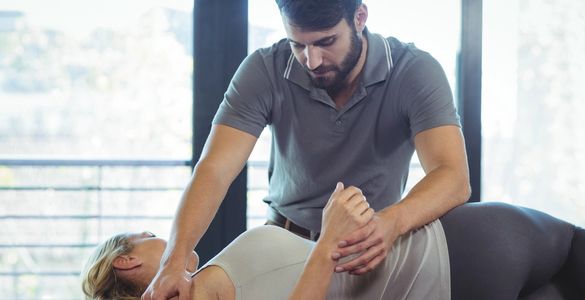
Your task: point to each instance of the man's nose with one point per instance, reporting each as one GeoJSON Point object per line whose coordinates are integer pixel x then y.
{"type": "Point", "coordinates": [314, 57]}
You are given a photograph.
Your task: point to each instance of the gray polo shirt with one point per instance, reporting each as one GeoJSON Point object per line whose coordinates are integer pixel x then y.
{"type": "Point", "coordinates": [368, 143]}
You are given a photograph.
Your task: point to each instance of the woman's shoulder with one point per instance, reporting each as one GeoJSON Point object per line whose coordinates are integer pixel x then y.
{"type": "Point", "coordinates": [269, 241]}
{"type": "Point", "coordinates": [212, 283]}
{"type": "Point", "coordinates": [259, 251]}
{"type": "Point", "coordinates": [269, 238]}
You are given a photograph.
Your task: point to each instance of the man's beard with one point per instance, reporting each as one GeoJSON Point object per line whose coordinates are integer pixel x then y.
{"type": "Point", "coordinates": [335, 82]}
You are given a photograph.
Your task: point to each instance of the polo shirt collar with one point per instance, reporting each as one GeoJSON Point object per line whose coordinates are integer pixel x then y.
{"type": "Point", "coordinates": [377, 67]}
{"type": "Point", "coordinates": [379, 62]}
{"type": "Point", "coordinates": [295, 72]}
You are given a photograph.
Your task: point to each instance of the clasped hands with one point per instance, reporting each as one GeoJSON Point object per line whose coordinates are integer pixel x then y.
{"type": "Point", "coordinates": [353, 227]}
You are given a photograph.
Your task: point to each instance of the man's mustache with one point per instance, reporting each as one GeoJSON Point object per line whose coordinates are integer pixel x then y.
{"type": "Point", "coordinates": [323, 69]}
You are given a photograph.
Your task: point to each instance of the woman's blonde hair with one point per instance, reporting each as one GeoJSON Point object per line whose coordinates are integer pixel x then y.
{"type": "Point", "coordinates": [99, 278]}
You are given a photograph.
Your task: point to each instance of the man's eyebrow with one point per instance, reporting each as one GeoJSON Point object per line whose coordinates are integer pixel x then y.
{"type": "Point", "coordinates": [321, 40]}
{"type": "Point", "coordinates": [292, 41]}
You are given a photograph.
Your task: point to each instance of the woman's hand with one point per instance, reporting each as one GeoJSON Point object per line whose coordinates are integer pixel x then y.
{"type": "Point", "coordinates": [346, 211]}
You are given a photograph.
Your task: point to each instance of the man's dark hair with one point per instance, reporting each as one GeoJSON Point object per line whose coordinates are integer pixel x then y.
{"type": "Point", "coordinates": [318, 14]}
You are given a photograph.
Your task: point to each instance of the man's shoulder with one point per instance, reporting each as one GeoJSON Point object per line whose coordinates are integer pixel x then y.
{"type": "Point", "coordinates": [405, 54]}
{"type": "Point", "coordinates": [278, 52]}
{"type": "Point", "coordinates": [404, 51]}
{"type": "Point", "coordinates": [281, 47]}
{"type": "Point", "coordinates": [272, 59]}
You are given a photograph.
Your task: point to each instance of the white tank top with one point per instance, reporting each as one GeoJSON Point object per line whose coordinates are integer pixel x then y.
{"type": "Point", "coordinates": [266, 262]}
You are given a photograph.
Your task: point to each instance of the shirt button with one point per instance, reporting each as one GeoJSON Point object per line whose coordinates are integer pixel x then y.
{"type": "Point", "coordinates": [338, 122]}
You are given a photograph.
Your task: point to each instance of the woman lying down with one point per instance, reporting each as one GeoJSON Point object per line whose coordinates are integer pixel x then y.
{"type": "Point", "coordinates": [476, 251]}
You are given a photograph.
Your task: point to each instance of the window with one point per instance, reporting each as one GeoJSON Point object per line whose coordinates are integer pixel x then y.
{"type": "Point", "coordinates": [533, 70]}
{"type": "Point", "coordinates": [84, 84]}
{"type": "Point", "coordinates": [95, 132]}
{"type": "Point", "coordinates": [264, 29]}
{"type": "Point", "coordinates": [433, 26]}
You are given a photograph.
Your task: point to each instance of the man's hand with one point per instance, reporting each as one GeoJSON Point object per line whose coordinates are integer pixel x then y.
{"type": "Point", "coordinates": [373, 241]}
{"type": "Point", "coordinates": [168, 283]}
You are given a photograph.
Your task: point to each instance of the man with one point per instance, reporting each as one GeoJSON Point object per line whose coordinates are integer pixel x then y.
{"type": "Point", "coordinates": [343, 105]}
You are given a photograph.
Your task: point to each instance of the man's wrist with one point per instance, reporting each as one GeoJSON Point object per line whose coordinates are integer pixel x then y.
{"type": "Point", "coordinates": [173, 260]}
{"type": "Point", "coordinates": [398, 218]}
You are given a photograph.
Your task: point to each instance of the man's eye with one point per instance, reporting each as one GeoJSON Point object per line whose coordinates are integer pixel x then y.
{"type": "Point", "coordinates": [150, 234]}
{"type": "Point", "coordinates": [297, 46]}
{"type": "Point", "coordinates": [326, 43]}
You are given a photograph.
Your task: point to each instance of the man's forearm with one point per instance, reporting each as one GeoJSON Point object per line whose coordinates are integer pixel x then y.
{"type": "Point", "coordinates": [441, 151]}
{"type": "Point", "coordinates": [198, 206]}
{"type": "Point", "coordinates": [439, 191]}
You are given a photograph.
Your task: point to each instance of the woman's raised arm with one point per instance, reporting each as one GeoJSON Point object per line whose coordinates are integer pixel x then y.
{"type": "Point", "coordinates": [346, 211]}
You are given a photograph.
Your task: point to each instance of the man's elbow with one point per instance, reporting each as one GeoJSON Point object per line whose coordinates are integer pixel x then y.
{"type": "Point", "coordinates": [466, 193]}
{"type": "Point", "coordinates": [464, 190]}
{"type": "Point", "coordinates": [460, 186]}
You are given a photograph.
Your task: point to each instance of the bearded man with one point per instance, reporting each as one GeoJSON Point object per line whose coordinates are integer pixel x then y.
{"type": "Point", "coordinates": [344, 105]}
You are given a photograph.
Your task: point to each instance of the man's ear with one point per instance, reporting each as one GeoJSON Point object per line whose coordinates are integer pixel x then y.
{"type": "Point", "coordinates": [361, 16]}
{"type": "Point", "coordinates": [126, 262]}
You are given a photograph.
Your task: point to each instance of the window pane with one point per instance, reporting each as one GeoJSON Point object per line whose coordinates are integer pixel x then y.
{"type": "Point", "coordinates": [264, 29]}
{"type": "Point", "coordinates": [99, 78]}
{"type": "Point", "coordinates": [434, 26]}
{"type": "Point", "coordinates": [52, 217]}
{"type": "Point", "coordinates": [533, 92]}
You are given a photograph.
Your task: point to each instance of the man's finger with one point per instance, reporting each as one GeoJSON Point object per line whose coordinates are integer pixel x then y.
{"type": "Point", "coordinates": [156, 296]}
{"type": "Point", "coordinates": [355, 237]}
{"type": "Point", "coordinates": [147, 295]}
{"type": "Point", "coordinates": [152, 293]}
{"type": "Point", "coordinates": [369, 267]}
{"type": "Point", "coordinates": [183, 296]}
{"type": "Point", "coordinates": [357, 248]}
{"type": "Point", "coordinates": [185, 290]}
{"type": "Point", "coordinates": [362, 260]}
{"type": "Point", "coordinates": [358, 235]}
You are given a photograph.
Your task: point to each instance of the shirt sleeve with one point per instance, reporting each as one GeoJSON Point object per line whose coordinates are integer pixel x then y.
{"type": "Point", "coordinates": [248, 100]}
{"type": "Point", "coordinates": [426, 96]}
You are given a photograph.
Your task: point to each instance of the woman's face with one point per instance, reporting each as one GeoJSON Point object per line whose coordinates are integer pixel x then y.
{"type": "Point", "coordinates": [150, 248]}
